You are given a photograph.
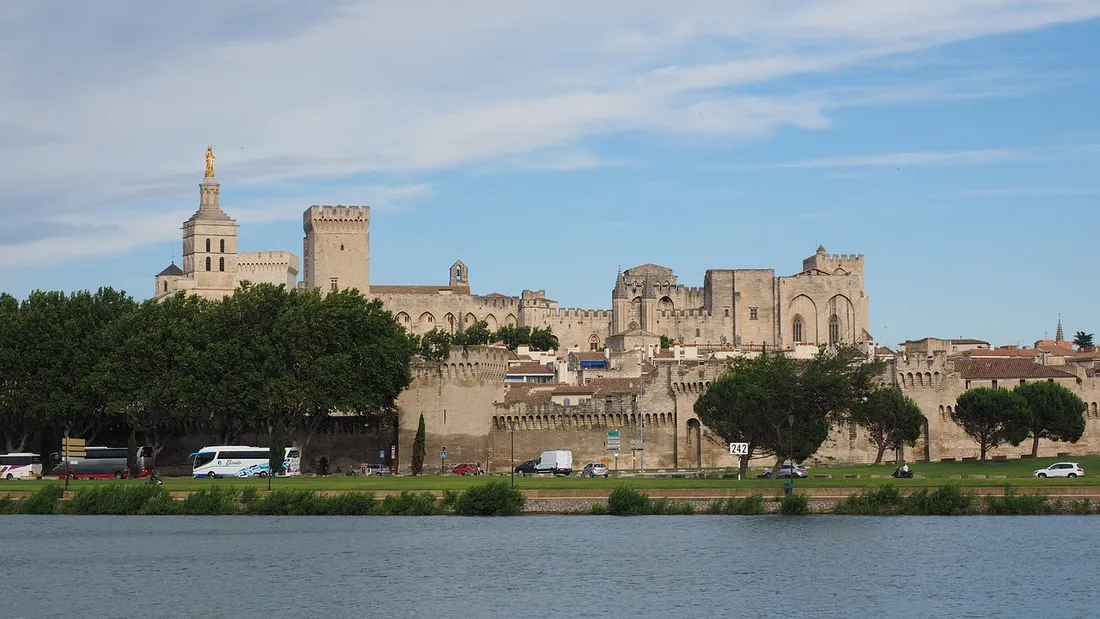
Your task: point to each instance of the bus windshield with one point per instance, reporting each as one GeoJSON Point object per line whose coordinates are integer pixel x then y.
{"type": "Point", "coordinates": [203, 458]}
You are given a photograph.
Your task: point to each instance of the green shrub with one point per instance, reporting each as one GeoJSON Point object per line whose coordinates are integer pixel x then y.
{"type": "Point", "coordinates": [948, 500]}
{"type": "Point", "coordinates": [597, 509]}
{"type": "Point", "coordinates": [495, 498]}
{"type": "Point", "coordinates": [291, 503]}
{"type": "Point", "coordinates": [794, 505]}
{"type": "Point", "coordinates": [42, 501]}
{"type": "Point", "coordinates": [626, 501]}
{"type": "Point", "coordinates": [450, 497]}
{"type": "Point", "coordinates": [1083, 506]}
{"type": "Point", "coordinates": [115, 500]}
{"type": "Point", "coordinates": [7, 504]}
{"type": "Point", "coordinates": [667, 507]}
{"type": "Point", "coordinates": [1012, 504]}
{"type": "Point", "coordinates": [409, 504]}
{"type": "Point", "coordinates": [880, 501]}
{"type": "Point", "coordinates": [213, 501]}
{"type": "Point", "coordinates": [250, 496]}
{"type": "Point", "coordinates": [748, 506]}
{"type": "Point", "coordinates": [352, 504]}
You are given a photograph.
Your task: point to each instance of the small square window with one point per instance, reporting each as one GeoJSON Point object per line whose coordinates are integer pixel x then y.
{"type": "Point", "coordinates": [754, 313]}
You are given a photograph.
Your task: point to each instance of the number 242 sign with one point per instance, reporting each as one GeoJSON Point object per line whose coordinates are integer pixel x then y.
{"type": "Point", "coordinates": [739, 449]}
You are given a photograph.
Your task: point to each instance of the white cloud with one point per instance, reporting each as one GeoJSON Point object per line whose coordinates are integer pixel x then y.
{"type": "Point", "coordinates": [941, 158]}
{"type": "Point", "coordinates": [291, 93]}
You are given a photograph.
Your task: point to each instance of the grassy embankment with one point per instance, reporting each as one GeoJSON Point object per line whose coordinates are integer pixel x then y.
{"type": "Point", "coordinates": [1016, 473]}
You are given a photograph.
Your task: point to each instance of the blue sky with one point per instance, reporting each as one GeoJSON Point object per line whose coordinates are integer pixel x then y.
{"type": "Point", "coordinates": [956, 144]}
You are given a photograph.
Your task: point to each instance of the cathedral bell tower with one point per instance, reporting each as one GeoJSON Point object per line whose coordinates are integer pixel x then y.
{"type": "Point", "coordinates": [210, 241]}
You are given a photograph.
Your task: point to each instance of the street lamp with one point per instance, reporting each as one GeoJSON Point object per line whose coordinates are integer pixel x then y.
{"type": "Point", "coordinates": [790, 421]}
{"type": "Point", "coordinates": [513, 423]}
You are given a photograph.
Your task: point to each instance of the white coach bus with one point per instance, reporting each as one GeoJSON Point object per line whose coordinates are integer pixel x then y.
{"type": "Point", "coordinates": [20, 466]}
{"type": "Point", "coordinates": [242, 461]}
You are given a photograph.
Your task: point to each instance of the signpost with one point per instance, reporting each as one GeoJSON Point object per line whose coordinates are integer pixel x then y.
{"type": "Point", "coordinates": [71, 448]}
{"type": "Point", "coordinates": [442, 460]}
{"type": "Point", "coordinates": [739, 450]}
{"type": "Point", "coordinates": [613, 440]}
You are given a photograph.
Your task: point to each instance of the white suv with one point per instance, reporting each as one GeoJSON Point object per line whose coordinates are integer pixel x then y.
{"type": "Point", "coordinates": [1061, 469]}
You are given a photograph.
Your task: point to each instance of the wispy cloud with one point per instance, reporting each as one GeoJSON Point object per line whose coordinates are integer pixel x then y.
{"type": "Point", "coordinates": [988, 156]}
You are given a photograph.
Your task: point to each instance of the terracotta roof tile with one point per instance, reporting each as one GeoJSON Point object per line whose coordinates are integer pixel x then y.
{"type": "Point", "coordinates": [588, 356]}
{"type": "Point", "coordinates": [530, 369]}
{"type": "Point", "coordinates": [528, 393]}
{"type": "Point", "coordinates": [1006, 369]}
{"type": "Point", "coordinates": [616, 386]}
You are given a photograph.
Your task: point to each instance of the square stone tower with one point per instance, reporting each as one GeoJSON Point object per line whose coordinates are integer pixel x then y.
{"type": "Point", "coordinates": [337, 248]}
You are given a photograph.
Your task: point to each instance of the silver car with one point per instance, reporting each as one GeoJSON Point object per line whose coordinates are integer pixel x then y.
{"type": "Point", "coordinates": [594, 469]}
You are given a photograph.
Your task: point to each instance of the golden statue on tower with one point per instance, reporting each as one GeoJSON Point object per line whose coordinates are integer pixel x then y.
{"type": "Point", "coordinates": [210, 162]}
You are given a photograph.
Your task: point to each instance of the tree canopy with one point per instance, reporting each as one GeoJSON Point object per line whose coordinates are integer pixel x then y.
{"type": "Point", "coordinates": [782, 406]}
{"type": "Point", "coordinates": [1056, 413]}
{"type": "Point", "coordinates": [891, 419]}
{"type": "Point", "coordinates": [1082, 339]}
{"type": "Point", "coordinates": [80, 362]}
{"type": "Point", "coordinates": [993, 417]}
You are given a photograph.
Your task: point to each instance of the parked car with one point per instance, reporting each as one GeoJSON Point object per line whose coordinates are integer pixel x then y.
{"type": "Point", "coordinates": [594, 469]}
{"type": "Point", "coordinates": [468, 469]}
{"type": "Point", "coordinates": [1061, 469]}
{"type": "Point", "coordinates": [556, 462]}
{"type": "Point", "coordinates": [789, 470]}
{"type": "Point", "coordinates": [375, 469]}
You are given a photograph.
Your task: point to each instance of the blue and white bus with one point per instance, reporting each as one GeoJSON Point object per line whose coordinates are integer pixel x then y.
{"type": "Point", "coordinates": [242, 461]}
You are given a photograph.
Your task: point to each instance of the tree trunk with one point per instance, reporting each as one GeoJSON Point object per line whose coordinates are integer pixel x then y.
{"type": "Point", "coordinates": [1035, 447]}
{"type": "Point", "coordinates": [984, 448]}
{"type": "Point", "coordinates": [778, 465]}
{"type": "Point", "coordinates": [881, 451]}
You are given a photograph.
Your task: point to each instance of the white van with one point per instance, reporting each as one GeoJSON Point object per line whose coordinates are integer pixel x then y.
{"type": "Point", "coordinates": [555, 461]}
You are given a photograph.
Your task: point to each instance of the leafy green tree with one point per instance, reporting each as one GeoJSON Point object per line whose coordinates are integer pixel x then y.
{"type": "Point", "coordinates": [435, 345]}
{"type": "Point", "coordinates": [158, 366]}
{"type": "Point", "coordinates": [1082, 340]}
{"type": "Point", "coordinates": [18, 420]}
{"type": "Point", "coordinates": [993, 417]}
{"type": "Point", "coordinates": [891, 419]}
{"type": "Point", "coordinates": [757, 400]}
{"type": "Point", "coordinates": [542, 338]}
{"type": "Point", "coordinates": [93, 345]}
{"type": "Point", "coordinates": [1056, 413]}
{"type": "Point", "coordinates": [666, 341]}
{"type": "Point", "coordinates": [477, 334]}
{"type": "Point", "coordinates": [419, 447]}
{"type": "Point", "coordinates": [539, 338]}
{"type": "Point", "coordinates": [276, 452]}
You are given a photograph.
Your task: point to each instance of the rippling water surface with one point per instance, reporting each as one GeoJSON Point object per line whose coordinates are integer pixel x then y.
{"type": "Point", "coordinates": [548, 567]}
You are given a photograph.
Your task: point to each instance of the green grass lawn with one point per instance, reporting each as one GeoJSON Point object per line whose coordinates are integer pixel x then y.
{"type": "Point", "coordinates": [1017, 472]}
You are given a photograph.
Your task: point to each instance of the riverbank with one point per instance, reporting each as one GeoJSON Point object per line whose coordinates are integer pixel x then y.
{"type": "Point", "coordinates": [498, 498]}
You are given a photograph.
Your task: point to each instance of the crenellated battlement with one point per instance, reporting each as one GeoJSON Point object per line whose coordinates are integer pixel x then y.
{"type": "Point", "coordinates": [338, 218]}
{"type": "Point", "coordinates": [482, 363]}
{"type": "Point", "coordinates": [574, 313]}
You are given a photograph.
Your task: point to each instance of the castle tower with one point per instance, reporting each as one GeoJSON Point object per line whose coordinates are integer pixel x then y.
{"type": "Point", "coordinates": [459, 275]}
{"type": "Point", "coordinates": [337, 248]}
{"type": "Point", "coordinates": [210, 242]}
{"type": "Point", "coordinates": [620, 304]}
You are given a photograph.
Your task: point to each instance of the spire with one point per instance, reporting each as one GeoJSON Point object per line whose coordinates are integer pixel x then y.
{"type": "Point", "coordinates": [821, 250]}
{"type": "Point", "coordinates": [1058, 334]}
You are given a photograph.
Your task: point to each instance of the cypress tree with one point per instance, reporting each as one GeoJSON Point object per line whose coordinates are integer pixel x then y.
{"type": "Point", "coordinates": [418, 448]}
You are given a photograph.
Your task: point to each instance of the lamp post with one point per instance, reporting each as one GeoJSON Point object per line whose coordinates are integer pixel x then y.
{"type": "Point", "coordinates": [513, 423]}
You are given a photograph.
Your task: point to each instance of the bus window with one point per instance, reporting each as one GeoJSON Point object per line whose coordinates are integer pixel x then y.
{"type": "Point", "coordinates": [204, 458]}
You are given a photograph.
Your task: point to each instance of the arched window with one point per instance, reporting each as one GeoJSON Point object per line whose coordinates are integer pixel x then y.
{"type": "Point", "coordinates": [166, 290]}
{"type": "Point", "coordinates": [834, 329]}
{"type": "Point", "coordinates": [221, 246]}
{"type": "Point", "coordinates": [208, 246]}
{"type": "Point", "coordinates": [797, 330]}
{"type": "Point", "coordinates": [221, 264]}
{"type": "Point", "coordinates": [208, 259]}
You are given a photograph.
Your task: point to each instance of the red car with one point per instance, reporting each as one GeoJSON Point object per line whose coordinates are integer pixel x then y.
{"type": "Point", "coordinates": [468, 469]}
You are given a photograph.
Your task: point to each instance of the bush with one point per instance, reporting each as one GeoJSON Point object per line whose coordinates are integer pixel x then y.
{"type": "Point", "coordinates": [794, 505]}
{"type": "Point", "coordinates": [597, 509]}
{"type": "Point", "coordinates": [42, 501]}
{"type": "Point", "coordinates": [214, 501]}
{"type": "Point", "coordinates": [1083, 506]}
{"type": "Point", "coordinates": [492, 499]}
{"type": "Point", "coordinates": [1012, 504]}
{"type": "Point", "coordinates": [748, 506]}
{"type": "Point", "coordinates": [450, 497]}
{"type": "Point", "coordinates": [881, 501]}
{"type": "Point", "coordinates": [409, 504]}
{"type": "Point", "coordinates": [116, 500]}
{"type": "Point", "coordinates": [667, 507]}
{"type": "Point", "coordinates": [290, 503]}
{"type": "Point", "coordinates": [7, 504]}
{"type": "Point", "coordinates": [352, 504]}
{"type": "Point", "coordinates": [949, 500]}
{"type": "Point", "coordinates": [626, 501]}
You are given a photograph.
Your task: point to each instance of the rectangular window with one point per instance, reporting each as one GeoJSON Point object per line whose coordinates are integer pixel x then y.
{"type": "Point", "coordinates": [221, 264]}
{"type": "Point", "coordinates": [727, 312]}
{"type": "Point", "coordinates": [994, 384]}
{"type": "Point", "coordinates": [208, 263]}
{"type": "Point", "coordinates": [696, 333]}
{"type": "Point", "coordinates": [1023, 381]}
{"type": "Point", "coordinates": [334, 284]}
{"type": "Point", "coordinates": [754, 313]}
{"type": "Point", "coordinates": [221, 245]}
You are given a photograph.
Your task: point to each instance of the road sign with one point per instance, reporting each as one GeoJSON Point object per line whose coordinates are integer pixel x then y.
{"type": "Point", "coordinates": [443, 453]}
{"type": "Point", "coordinates": [613, 443]}
{"type": "Point", "coordinates": [381, 453]}
{"type": "Point", "coordinates": [636, 444]}
{"type": "Point", "coordinates": [739, 449]}
{"type": "Point", "coordinates": [72, 447]}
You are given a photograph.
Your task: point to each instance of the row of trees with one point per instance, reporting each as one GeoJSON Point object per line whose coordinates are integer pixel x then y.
{"type": "Point", "coordinates": [435, 345]}
{"type": "Point", "coordinates": [785, 407]}
{"type": "Point", "coordinates": [259, 359]}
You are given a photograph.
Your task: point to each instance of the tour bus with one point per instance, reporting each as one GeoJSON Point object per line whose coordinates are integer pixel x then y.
{"type": "Point", "coordinates": [242, 461]}
{"type": "Point", "coordinates": [101, 462]}
{"type": "Point", "coordinates": [20, 466]}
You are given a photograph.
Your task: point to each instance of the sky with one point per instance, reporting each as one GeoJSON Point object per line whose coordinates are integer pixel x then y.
{"type": "Point", "coordinates": [954, 143]}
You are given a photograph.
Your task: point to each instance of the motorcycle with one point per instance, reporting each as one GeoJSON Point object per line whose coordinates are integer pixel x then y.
{"type": "Point", "coordinates": [900, 474]}
{"type": "Point", "coordinates": [155, 479]}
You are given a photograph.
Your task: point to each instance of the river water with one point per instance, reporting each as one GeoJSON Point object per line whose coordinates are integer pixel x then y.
{"type": "Point", "coordinates": [548, 567]}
